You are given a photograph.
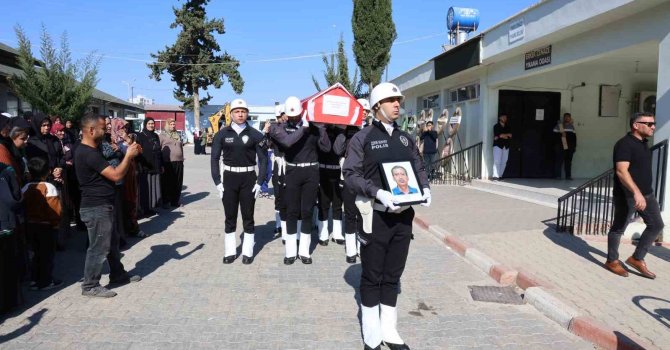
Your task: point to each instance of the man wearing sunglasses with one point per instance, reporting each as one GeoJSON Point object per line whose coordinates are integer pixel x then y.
{"type": "Point", "coordinates": [633, 192]}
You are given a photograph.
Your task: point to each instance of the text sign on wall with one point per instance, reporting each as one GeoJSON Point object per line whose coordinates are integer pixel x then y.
{"type": "Point", "coordinates": [538, 57]}
{"type": "Point", "coordinates": [517, 31]}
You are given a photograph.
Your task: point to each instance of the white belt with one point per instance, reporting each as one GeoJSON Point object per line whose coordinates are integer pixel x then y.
{"type": "Point", "coordinates": [239, 169]}
{"type": "Point", "coordinates": [380, 207]}
{"type": "Point", "coordinates": [328, 166]}
{"type": "Point", "coordinates": [302, 165]}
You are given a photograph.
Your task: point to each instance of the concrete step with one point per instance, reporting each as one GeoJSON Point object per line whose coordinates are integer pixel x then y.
{"type": "Point", "coordinates": [543, 195]}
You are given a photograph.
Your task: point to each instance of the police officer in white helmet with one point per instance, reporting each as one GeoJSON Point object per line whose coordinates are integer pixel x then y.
{"type": "Point", "coordinates": [302, 176]}
{"type": "Point", "coordinates": [386, 227]}
{"type": "Point", "coordinates": [240, 144]}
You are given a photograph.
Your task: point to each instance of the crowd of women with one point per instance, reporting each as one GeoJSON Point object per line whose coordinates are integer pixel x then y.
{"type": "Point", "coordinates": [155, 180]}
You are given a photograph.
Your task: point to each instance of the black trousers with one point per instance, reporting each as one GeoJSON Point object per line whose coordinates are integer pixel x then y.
{"type": "Point", "coordinates": [383, 256]}
{"type": "Point", "coordinates": [10, 276]}
{"type": "Point", "coordinates": [172, 181]}
{"type": "Point", "coordinates": [237, 192]}
{"type": "Point", "coordinates": [279, 186]}
{"type": "Point", "coordinates": [624, 207]}
{"type": "Point", "coordinates": [330, 194]}
{"type": "Point", "coordinates": [44, 247]}
{"type": "Point", "coordinates": [351, 214]}
{"type": "Point", "coordinates": [302, 185]}
{"type": "Point", "coordinates": [563, 159]}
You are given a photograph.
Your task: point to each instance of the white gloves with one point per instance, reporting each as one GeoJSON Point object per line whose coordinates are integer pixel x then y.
{"type": "Point", "coordinates": [220, 188]}
{"type": "Point", "coordinates": [426, 197]}
{"type": "Point", "coordinates": [386, 198]}
{"type": "Point", "coordinates": [256, 190]}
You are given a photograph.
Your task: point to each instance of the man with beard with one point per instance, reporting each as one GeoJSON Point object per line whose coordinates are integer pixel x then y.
{"type": "Point", "coordinates": [97, 179]}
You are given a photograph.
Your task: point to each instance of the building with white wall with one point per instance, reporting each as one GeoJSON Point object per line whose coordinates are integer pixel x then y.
{"type": "Point", "coordinates": [589, 58]}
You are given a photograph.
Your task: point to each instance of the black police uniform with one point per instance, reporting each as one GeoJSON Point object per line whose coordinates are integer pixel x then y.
{"type": "Point", "coordinates": [384, 250]}
{"type": "Point", "coordinates": [351, 213]}
{"type": "Point", "coordinates": [279, 174]}
{"type": "Point", "coordinates": [239, 160]}
{"type": "Point", "coordinates": [302, 174]}
{"type": "Point", "coordinates": [330, 193]}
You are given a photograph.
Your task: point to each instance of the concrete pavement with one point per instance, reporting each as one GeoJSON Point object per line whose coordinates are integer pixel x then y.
{"type": "Point", "coordinates": [189, 300]}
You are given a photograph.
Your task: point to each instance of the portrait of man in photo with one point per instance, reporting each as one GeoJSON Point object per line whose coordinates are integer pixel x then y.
{"type": "Point", "coordinates": [402, 181]}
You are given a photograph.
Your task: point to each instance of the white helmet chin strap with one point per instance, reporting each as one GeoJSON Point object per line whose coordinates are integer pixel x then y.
{"type": "Point", "coordinates": [386, 118]}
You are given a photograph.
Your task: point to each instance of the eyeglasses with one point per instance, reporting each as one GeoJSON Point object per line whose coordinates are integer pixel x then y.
{"type": "Point", "coordinates": [649, 124]}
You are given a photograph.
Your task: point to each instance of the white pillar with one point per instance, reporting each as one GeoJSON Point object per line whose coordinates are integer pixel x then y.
{"type": "Point", "coordinates": [663, 104]}
{"type": "Point", "coordinates": [488, 98]}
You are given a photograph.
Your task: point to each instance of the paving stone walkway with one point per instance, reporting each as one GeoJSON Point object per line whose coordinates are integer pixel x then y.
{"type": "Point", "coordinates": [189, 300]}
{"type": "Point", "coordinates": [520, 235]}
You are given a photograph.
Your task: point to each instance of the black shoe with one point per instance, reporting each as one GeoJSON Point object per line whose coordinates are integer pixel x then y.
{"type": "Point", "coordinates": [351, 259]}
{"type": "Point", "coordinates": [392, 346]}
{"type": "Point", "coordinates": [378, 347]}
{"type": "Point", "coordinates": [283, 242]}
{"type": "Point", "coordinates": [338, 241]}
{"type": "Point", "coordinates": [323, 243]}
{"type": "Point", "coordinates": [305, 260]}
{"type": "Point", "coordinates": [289, 261]}
{"type": "Point", "coordinates": [277, 232]}
{"type": "Point", "coordinates": [98, 292]}
{"type": "Point", "coordinates": [229, 259]}
{"type": "Point", "coordinates": [125, 279]}
{"type": "Point", "coordinates": [246, 260]}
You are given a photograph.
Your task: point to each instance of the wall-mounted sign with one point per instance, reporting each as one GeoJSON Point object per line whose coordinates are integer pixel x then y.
{"type": "Point", "coordinates": [517, 31]}
{"type": "Point", "coordinates": [539, 114]}
{"type": "Point", "coordinates": [538, 57]}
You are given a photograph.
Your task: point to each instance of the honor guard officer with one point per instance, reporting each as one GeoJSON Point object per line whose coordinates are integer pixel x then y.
{"type": "Point", "coordinates": [351, 214]}
{"type": "Point", "coordinates": [278, 171]}
{"type": "Point", "coordinates": [302, 174]}
{"type": "Point", "coordinates": [239, 144]}
{"type": "Point", "coordinates": [387, 227]}
{"type": "Point", "coordinates": [330, 193]}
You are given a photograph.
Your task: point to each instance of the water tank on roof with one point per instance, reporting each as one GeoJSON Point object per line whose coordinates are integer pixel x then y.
{"type": "Point", "coordinates": [463, 19]}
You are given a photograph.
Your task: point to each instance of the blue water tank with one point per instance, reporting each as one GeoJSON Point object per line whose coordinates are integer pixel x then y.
{"type": "Point", "coordinates": [465, 19]}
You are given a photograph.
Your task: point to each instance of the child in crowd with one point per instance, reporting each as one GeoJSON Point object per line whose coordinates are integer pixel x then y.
{"type": "Point", "coordinates": [42, 212]}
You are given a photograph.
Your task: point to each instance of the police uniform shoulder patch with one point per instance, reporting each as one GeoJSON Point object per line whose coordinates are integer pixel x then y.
{"type": "Point", "coordinates": [404, 140]}
{"type": "Point", "coordinates": [245, 138]}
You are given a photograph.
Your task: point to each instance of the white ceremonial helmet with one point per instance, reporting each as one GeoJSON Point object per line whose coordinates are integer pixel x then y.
{"type": "Point", "coordinates": [384, 91]}
{"type": "Point", "coordinates": [364, 103]}
{"type": "Point", "coordinates": [292, 107]}
{"type": "Point", "coordinates": [238, 103]}
{"type": "Point", "coordinates": [279, 109]}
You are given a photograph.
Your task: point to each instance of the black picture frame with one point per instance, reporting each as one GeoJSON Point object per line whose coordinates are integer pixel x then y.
{"type": "Point", "coordinates": [385, 169]}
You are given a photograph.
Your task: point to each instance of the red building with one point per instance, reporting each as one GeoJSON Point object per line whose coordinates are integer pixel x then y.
{"type": "Point", "coordinates": [161, 113]}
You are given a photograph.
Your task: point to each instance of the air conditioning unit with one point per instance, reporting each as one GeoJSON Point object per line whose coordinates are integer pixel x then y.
{"type": "Point", "coordinates": [647, 102]}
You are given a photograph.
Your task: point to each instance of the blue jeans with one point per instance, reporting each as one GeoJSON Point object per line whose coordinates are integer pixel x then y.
{"type": "Point", "coordinates": [428, 160]}
{"type": "Point", "coordinates": [103, 243]}
{"type": "Point", "coordinates": [624, 208]}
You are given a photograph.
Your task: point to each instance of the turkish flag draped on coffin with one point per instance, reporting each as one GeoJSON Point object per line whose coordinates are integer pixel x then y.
{"type": "Point", "coordinates": [334, 105]}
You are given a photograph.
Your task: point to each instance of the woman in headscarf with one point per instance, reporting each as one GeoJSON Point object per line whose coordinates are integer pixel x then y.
{"type": "Point", "coordinates": [46, 146]}
{"type": "Point", "coordinates": [58, 130]}
{"type": "Point", "coordinates": [173, 163]}
{"type": "Point", "coordinates": [150, 169]}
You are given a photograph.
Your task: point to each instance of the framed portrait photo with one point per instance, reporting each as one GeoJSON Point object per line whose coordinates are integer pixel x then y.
{"type": "Point", "coordinates": [400, 179]}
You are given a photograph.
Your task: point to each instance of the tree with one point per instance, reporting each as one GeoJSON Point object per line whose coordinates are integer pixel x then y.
{"type": "Point", "coordinates": [374, 33]}
{"type": "Point", "coordinates": [193, 60]}
{"type": "Point", "coordinates": [54, 85]}
{"type": "Point", "coordinates": [339, 74]}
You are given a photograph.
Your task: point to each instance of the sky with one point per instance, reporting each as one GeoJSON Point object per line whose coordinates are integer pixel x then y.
{"type": "Point", "coordinates": [279, 43]}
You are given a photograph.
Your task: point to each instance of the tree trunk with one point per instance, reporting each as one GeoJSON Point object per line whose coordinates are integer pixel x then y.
{"type": "Point", "coordinates": [196, 108]}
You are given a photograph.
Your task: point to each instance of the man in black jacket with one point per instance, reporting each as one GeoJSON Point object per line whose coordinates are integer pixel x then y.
{"type": "Point", "coordinates": [429, 139]}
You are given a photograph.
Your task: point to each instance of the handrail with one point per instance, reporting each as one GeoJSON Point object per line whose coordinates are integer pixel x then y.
{"type": "Point", "coordinates": [459, 167]}
{"type": "Point", "coordinates": [589, 208]}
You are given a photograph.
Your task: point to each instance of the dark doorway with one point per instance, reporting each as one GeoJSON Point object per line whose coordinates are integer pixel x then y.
{"type": "Point", "coordinates": [532, 116]}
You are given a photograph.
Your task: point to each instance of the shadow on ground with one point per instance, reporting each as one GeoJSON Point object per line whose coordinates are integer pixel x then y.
{"type": "Point", "coordinates": [160, 255]}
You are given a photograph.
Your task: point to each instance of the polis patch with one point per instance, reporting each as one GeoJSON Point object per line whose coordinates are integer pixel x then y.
{"type": "Point", "coordinates": [379, 144]}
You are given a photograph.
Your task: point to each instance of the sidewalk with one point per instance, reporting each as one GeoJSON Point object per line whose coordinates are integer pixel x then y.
{"type": "Point", "coordinates": [512, 232]}
{"type": "Point", "coordinates": [189, 300]}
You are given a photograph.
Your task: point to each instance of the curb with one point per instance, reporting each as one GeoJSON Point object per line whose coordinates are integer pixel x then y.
{"type": "Point", "coordinates": [536, 294]}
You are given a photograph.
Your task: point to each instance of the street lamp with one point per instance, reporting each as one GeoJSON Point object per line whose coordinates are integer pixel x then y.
{"type": "Point", "coordinates": [130, 89]}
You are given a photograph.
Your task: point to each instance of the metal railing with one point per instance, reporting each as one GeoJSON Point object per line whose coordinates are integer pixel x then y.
{"type": "Point", "coordinates": [589, 208]}
{"type": "Point", "coordinates": [458, 168]}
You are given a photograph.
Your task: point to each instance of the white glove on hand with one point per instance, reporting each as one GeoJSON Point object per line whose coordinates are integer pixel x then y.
{"type": "Point", "coordinates": [426, 197]}
{"type": "Point", "coordinates": [386, 198]}
{"type": "Point", "coordinates": [256, 190]}
{"type": "Point", "coordinates": [220, 188]}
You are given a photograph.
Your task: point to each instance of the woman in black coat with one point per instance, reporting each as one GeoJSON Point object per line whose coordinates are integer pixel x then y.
{"type": "Point", "coordinates": [150, 168]}
{"type": "Point", "coordinates": [44, 145]}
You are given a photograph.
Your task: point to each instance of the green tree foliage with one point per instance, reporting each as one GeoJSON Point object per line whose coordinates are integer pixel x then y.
{"type": "Point", "coordinates": [374, 33]}
{"type": "Point", "coordinates": [55, 84]}
{"type": "Point", "coordinates": [194, 61]}
{"type": "Point", "coordinates": [339, 73]}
